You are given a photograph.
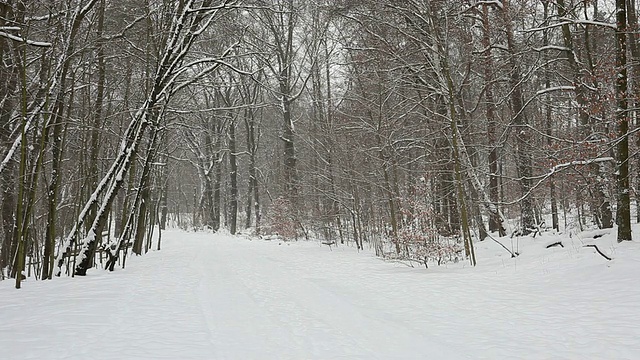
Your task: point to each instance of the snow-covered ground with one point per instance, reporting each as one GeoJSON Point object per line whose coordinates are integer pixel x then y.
{"type": "Point", "coordinates": [210, 296]}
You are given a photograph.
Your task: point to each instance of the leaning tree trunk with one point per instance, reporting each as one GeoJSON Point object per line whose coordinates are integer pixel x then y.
{"type": "Point", "coordinates": [89, 243]}
{"type": "Point", "coordinates": [121, 243]}
{"type": "Point", "coordinates": [58, 127]}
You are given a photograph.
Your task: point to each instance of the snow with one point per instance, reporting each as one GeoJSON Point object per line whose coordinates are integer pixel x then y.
{"type": "Point", "coordinates": [207, 296]}
{"type": "Point", "coordinates": [555, 88]}
{"type": "Point", "coordinates": [26, 41]}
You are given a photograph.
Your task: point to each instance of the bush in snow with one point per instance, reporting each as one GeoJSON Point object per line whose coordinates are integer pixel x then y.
{"type": "Point", "coordinates": [419, 237]}
{"type": "Point", "coordinates": [423, 243]}
{"type": "Point", "coordinates": [281, 220]}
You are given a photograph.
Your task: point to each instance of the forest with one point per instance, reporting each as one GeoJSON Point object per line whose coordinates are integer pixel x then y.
{"type": "Point", "coordinates": [412, 127]}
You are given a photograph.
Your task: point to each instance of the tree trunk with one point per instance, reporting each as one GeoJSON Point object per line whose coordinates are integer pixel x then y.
{"type": "Point", "coordinates": [600, 203]}
{"type": "Point", "coordinates": [144, 206]}
{"type": "Point", "coordinates": [233, 179]}
{"type": "Point", "coordinates": [89, 243]}
{"type": "Point", "coordinates": [217, 181]}
{"type": "Point", "coordinates": [290, 176]}
{"type": "Point", "coordinates": [8, 85]}
{"type": "Point", "coordinates": [634, 45]}
{"type": "Point", "coordinates": [19, 238]}
{"type": "Point", "coordinates": [548, 122]}
{"type": "Point", "coordinates": [252, 189]}
{"type": "Point", "coordinates": [164, 208]}
{"type": "Point", "coordinates": [459, 182]}
{"type": "Point", "coordinates": [94, 148]}
{"type": "Point", "coordinates": [495, 223]}
{"type": "Point", "coordinates": [622, 117]}
{"type": "Point", "coordinates": [523, 137]}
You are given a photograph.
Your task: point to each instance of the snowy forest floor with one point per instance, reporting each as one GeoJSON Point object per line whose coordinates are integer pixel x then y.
{"type": "Point", "coordinates": [207, 296]}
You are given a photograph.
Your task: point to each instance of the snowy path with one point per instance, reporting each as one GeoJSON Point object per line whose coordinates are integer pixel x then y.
{"type": "Point", "coordinates": [213, 297]}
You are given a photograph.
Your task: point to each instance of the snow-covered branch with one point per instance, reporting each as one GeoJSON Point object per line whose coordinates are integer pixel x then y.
{"type": "Point", "coordinates": [126, 28]}
{"type": "Point", "coordinates": [496, 3]}
{"type": "Point", "coordinates": [556, 169]}
{"type": "Point", "coordinates": [555, 88]}
{"type": "Point", "coordinates": [566, 21]}
{"type": "Point", "coordinates": [26, 41]}
{"type": "Point", "coordinates": [45, 17]}
{"type": "Point", "coordinates": [589, 22]}
{"type": "Point", "coordinates": [225, 4]}
{"type": "Point", "coordinates": [171, 87]}
{"type": "Point", "coordinates": [125, 145]}
{"type": "Point", "coordinates": [552, 26]}
{"type": "Point", "coordinates": [551, 47]}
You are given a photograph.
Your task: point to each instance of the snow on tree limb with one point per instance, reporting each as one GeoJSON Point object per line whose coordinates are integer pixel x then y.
{"type": "Point", "coordinates": [26, 41]}
{"type": "Point", "coordinates": [555, 88]}
{"type": "Point", "coordinates": [106, 180]}
{"type": "Point", "coordinates": [185, 28]}
{"type": "Point", "coordinates": [34, 114]}
{"type": "Point", "coordinates": [565, 21]}
{"type": "Point", "coordinates": [590, 22]}
{"type": "Point", "coordinates": [89, 240]}
{"type": "Point", "coordinates": [556, 169]}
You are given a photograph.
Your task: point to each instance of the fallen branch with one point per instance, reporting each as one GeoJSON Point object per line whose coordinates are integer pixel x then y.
{"type": "Point", "coordinates": [329, 243]}
{"type": "Point", "coordinates": [513, 253]}
{"type": "Point", "coordinates": [599, 252]}
{"type": "Point", "coordinates": [557, 243]}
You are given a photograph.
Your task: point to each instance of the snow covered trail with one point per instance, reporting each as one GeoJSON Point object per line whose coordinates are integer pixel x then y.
{"type": "Point", "coordinates": [210, 296]}
{"type": "Point", "coordinates": [261, 304]}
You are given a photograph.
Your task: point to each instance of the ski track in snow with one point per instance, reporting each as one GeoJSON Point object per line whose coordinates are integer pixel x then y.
{"type": "Point", "coordinates": [210, 296]}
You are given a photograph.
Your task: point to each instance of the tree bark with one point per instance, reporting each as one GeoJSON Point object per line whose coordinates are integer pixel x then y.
{"type": "Point", "coordinates": [233, 179]}
{"type": "Point", "coordinates": [459, 183]}
{"type": "Point", "coordinates": [495, 223]}
{"type": "Point", "coordinates": [144, 206]}
{"type": "Point", "coordinates": [622, 117]}
{"type": "Point", "coordinates": [548, 123]}
{"type": "Point", "coordinates": [600, 204]}
{"type": "Point", "coordinates": [252, 189]}
{"type": "Point", "coordinates": [8, 85]}
{"type": "Point", "coordinates": [634, 45]}
{"type": "Point", "coordinates": [520, 127]}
